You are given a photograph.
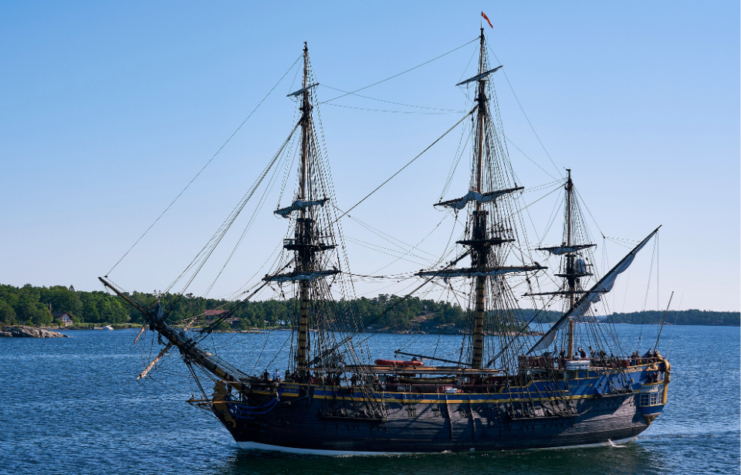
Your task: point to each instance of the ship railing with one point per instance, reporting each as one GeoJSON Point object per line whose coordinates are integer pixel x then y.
{"type": "Point", "coordinates": [551, 362]}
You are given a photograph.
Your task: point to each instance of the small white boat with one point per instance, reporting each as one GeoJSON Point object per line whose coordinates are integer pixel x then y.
{"type": "Point", "coordinates": [107, 327]}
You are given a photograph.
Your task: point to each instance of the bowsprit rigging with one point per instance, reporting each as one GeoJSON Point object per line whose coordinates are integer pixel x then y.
{"type": "Point", "coordinates": [507, 387]}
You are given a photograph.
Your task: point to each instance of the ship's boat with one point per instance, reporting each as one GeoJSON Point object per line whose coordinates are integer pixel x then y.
{"type": "Point", "coordinates": [507, 388]}
{"type": "Point", "coordinates": [398, 363]}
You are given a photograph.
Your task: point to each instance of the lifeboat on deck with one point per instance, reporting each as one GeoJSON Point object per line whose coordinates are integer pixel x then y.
{"type": "Point", "coordinates": [399, 363]}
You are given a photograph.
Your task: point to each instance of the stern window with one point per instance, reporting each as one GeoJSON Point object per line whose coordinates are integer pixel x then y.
{"type": "Point", "coordinates": [651, 399]}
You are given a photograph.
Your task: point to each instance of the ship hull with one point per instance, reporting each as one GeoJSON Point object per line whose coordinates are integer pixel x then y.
{"type": "Point", "coordinates": [325, 421]}
{"type": "Point", "coordinates": [302, 429]}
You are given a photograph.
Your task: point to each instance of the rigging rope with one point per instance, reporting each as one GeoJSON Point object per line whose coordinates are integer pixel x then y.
{"type": "Point", "coordinates": [206, 252]}
{"type": "Point", "coordinates": [405, 166]}
{"type": "Point", "coordinates": [204, 167]}
{"type": "Point", "coordinates": [526, 156]}
{"type": "Point", "coordinates": [395, 103]}
{"type": "Point", "coordinates": [523, 112]}
{"type": "Point", "coordinates": [399, 74]}
{"type": "Point", "coordinates": [391, 111]}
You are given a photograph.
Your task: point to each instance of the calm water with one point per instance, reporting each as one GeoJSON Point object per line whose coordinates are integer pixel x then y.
{"type": "Point", "coordinates": [72, 405]}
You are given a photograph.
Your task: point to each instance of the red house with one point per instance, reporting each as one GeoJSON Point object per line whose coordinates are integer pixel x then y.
{"type": "Point", "coordinates": [62, 318]}
{"type": "Point", "coordinates": [210, 314]}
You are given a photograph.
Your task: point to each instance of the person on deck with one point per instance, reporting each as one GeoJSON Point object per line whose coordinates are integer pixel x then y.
{"type": "Point", "coordinates": [592, 352]}
{"type": "Point", "coordinates": [582, 353]}
{"type": "Point", "coordinates": [276, 376]}
{"type": "Point", "coordinates": [562, 358]}
{"type": "Point", "coordinates": [266, 376]}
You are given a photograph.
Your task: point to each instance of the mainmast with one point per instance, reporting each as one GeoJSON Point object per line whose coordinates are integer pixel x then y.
{"type": "Point", "coordinates": [304, 225]}
{"type": "Point", "coordinates": [479, 250]}
{"type": "Point", "coordinates": [485, 228]}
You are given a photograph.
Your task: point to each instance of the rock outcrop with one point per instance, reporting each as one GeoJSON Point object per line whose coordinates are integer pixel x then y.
{"type": "Point", "coordinates": [29, 332]}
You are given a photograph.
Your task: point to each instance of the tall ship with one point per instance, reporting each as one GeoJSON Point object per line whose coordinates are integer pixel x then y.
{"type": "Point", "coordinates": [508, 387]}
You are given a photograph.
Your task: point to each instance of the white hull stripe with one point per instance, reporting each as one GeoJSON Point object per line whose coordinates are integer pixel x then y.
{"type": "Point", "coordinates": [339, 453]}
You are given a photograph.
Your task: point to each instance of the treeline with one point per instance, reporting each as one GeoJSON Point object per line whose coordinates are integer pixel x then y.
{"type": "Point", "coordinates": [684, 317]}
{"type": "Point", "coordinates": [34, 305]}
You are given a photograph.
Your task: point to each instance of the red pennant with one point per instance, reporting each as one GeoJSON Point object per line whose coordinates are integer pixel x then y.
{"type": "Point", "coordinates": [487, 19]}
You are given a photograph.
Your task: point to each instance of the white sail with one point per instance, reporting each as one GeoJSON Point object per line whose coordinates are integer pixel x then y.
{"type": "Point", "coordinates": [298, 205]}
{"type": "Point", "coordinates": [593, 296]}
{"type": "Point", "coordinates": [460, 203]}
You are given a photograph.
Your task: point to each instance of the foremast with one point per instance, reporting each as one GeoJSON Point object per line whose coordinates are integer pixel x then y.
{"type": "Point", "coordinates": [311, 238]}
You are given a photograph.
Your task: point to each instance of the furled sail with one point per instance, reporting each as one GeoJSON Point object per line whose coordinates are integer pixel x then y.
{"type": "Point", "coordinates": [298, 205]}
{"type": "Point", "coordinates": [560, 250]}
{"type": "Point", "coordinates": [460, 203]}
{"type": "Point", "coordinates": [480, 76]}
{"type": "Point", "coordinates": [593, 296]}
{"type": "Point", "coordinates": [303, 90]}
{"type": "Point", "coordinates": [297, 276]}
{"type": "Point", "coordinates": [478, 272]}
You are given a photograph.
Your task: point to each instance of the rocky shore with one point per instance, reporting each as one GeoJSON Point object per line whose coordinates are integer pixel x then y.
{"type": "Point", "coordinates": [29, 332]}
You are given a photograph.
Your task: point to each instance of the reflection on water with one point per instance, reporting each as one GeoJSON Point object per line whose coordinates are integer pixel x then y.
{"type": "Point", "coordinates": [633, 458]}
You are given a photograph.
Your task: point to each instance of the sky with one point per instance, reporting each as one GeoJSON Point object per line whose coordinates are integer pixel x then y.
{"type": "Point", "coordinates": [109, 109]}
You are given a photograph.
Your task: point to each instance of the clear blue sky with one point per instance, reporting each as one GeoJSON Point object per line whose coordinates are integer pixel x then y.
{"type": "Point", "coordinates": [110, 108]}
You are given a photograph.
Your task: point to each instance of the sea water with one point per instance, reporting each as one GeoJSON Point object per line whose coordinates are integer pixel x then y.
{"type": "Point", "coordinates": [73, 405]}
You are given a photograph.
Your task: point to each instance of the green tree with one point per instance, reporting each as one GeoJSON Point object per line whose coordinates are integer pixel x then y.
{"type": "Point", "coordinates": [90, 309]}
{"type": "Point", "coordinates": [7, 314]}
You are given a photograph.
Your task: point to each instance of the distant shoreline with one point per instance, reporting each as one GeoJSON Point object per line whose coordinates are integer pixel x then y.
{"type": "Point", "coordinates": [379, 331]}
{"type": "Point", "coordinates": [55, 305]}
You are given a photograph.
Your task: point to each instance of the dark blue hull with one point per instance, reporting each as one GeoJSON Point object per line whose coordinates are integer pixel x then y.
{"type": "Point", "coordinates": [601, 407]}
